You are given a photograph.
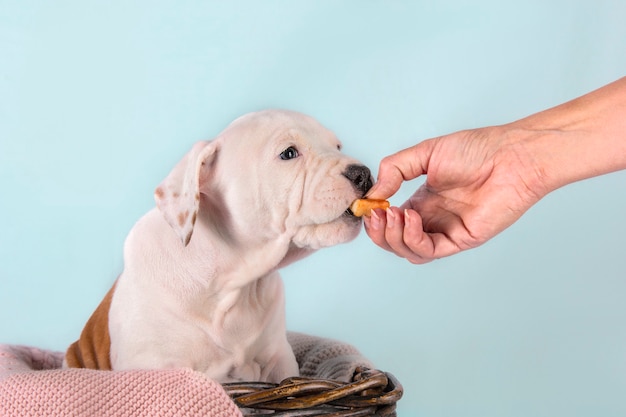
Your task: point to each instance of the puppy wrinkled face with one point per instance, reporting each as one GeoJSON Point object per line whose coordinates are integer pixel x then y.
{"type": "Point", "coordinates": [288, 176]}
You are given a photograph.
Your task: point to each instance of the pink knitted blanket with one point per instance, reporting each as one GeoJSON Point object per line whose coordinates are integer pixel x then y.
{"type": "Point", "coordinates": [32, 383]}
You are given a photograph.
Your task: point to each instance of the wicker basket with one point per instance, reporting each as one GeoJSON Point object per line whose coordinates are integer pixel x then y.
{"type": "Point", "coordinates": [370, 393]}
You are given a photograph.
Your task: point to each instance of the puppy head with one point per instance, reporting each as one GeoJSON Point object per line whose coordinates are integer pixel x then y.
{"type": "Point", "coordinates": [269, 175]}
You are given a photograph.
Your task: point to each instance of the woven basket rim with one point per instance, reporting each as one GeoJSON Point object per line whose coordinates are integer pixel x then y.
{"type": "Point", "coordinates": [371, 392]}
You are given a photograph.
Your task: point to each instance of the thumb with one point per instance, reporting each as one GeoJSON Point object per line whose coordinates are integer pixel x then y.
{"type": "Point", "coordinates": [402, 166]}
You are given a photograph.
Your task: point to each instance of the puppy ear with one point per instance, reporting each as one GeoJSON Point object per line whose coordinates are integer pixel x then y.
{"type": "Point", "coordinates": [178, 196]}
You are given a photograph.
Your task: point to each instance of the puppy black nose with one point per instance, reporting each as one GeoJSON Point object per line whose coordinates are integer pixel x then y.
{"type": "Point", "coordinates": [360, 176]}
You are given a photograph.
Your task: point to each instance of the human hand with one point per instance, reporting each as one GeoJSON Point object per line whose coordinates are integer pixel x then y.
{"type": "Point", "coordinates": [478, 183]}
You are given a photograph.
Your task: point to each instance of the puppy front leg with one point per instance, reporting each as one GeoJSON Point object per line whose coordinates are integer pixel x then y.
{"type": "Point", "coordinates": [285, 365]}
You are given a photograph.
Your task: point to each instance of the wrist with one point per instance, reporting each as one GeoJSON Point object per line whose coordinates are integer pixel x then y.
{"type": "Point", "coordinates": [580, 139]}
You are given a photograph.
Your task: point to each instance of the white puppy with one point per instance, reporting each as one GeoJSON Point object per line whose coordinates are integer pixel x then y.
{"type": "Point", "coordinates": [200, 286]}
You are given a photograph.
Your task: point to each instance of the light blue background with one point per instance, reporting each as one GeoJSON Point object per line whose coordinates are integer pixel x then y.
{"type": "Point", "coordinates": [98, 100]}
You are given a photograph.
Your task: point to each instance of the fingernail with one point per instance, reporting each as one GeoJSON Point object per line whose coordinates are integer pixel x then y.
{"type": "Point", "coordinates": [407, 218]}
{"type": "Point", "coordinates": [373, 220]}
{"type": "Point", "coordinates": [391, 217]}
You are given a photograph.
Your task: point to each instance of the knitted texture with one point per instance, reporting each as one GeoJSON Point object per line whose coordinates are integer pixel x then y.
{"type": "Point", "coordinates": [326, 358]}
{"type": "Point", "coordinates": [32, 383]}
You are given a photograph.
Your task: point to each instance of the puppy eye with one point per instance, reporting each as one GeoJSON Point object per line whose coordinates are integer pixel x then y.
{"type": "Point", "coordinates": [289, 153]}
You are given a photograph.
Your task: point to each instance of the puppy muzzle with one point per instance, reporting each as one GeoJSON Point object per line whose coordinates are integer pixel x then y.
{"type": "Point", "coordinates": [360, 176]}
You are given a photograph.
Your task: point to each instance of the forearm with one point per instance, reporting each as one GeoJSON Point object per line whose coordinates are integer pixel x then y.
{"type": "Point", "coordinates": [580, 139]}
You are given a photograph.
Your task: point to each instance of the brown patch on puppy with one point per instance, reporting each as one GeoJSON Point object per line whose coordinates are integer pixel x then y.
{"type": "Point", "coordinates": [188, 238]}
{"type": "Point", "coordinates": [159, 193]}
{"type": "Point", "coordinates": [182, 218]}
{"type": "Point", "coordinates": [92, 349]}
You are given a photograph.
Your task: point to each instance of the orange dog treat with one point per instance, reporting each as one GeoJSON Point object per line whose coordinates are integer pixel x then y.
{"type": "Point", "coordinates": [363, 206]}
